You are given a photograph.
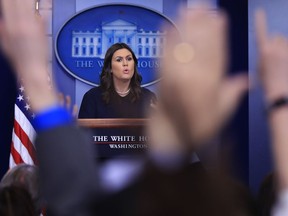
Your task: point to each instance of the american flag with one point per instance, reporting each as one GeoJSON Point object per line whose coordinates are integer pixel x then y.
{"type": "Point", "coordinates": [23, 135]}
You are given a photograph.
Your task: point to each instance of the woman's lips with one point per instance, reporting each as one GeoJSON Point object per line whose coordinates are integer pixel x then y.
{"type": "Point", "coordinates": [126, 71]}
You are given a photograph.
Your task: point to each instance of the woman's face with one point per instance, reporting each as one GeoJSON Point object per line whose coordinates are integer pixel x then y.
{"type": "Point", "coordinates": [122, 65]}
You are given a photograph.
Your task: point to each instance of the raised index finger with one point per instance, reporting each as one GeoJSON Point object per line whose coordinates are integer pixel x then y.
{"type": "Point", "coordinates": [261, 28]}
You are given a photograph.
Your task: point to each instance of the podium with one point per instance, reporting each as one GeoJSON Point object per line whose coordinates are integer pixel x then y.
{"type": "Point", "coordinates": [117, 137]}
{"type": "Point", "coordinates": [113, 123]}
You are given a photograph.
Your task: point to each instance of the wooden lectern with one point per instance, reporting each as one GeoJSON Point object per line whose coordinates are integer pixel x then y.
{"type": "Point", "coordinates": [112, 123]}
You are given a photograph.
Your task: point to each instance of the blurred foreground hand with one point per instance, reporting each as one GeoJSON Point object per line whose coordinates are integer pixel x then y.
{"type": "Point", "coordinates": [273, 60]}
{"type": "Point", "coordinates": [196, 95]}
{"type": "Point", "coordinates": [273, 71]}
{"type": "Point", "coordinates": [23, 40]}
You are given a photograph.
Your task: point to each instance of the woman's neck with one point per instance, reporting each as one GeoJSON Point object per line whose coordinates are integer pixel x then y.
{"type": "Point", "coordinates": [121, 86]}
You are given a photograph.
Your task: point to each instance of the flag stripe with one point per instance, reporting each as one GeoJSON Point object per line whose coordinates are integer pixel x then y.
{"type": "Point", "coordinates": [15, 155]}
{"type": "Point", "coordinates": [12, 163]}
{"type": "Point", "coordinates": [25, 140]}
{"type": "Point", "coordinates": [21, 149]}
{"type": "Point", "coordinates": [25, 123]}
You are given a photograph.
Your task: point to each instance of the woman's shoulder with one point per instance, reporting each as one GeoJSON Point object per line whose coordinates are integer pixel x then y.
{"type": "Point", "coordinates": [147, 93]}
{"type": "Point", "coordinates": [95, 91]}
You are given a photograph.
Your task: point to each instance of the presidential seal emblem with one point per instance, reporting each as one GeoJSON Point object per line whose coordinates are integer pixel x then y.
{"type": "Point", "coordinates": [81, 43]}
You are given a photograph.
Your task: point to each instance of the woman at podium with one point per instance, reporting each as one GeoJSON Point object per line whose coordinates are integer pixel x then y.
{"type": "Point", "coordinates": [120, 94]}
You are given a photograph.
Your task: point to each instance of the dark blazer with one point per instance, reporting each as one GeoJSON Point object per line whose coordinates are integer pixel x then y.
{"type": "Point", "coordinates": [67, 170]}
{"type": "Point", "coordinates": [93, 105]}
{"type": "Point", "coordinates": [69, 183]}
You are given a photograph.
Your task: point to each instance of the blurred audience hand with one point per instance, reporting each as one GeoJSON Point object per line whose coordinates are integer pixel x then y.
{"type": "Point", "coordinates": [273, 65]}
{"type": "Point", "coordinates": [23, 40]}
{"type": "Point", "coordinates": [195, 94]}
{"type": "Point", "coordinates": [23, 33]}
{"type": "Point", "coordinates": [273, 60]}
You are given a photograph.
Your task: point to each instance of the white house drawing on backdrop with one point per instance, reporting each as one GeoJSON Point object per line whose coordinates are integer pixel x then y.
{"type": "Point", "coordinates": [145, 44]}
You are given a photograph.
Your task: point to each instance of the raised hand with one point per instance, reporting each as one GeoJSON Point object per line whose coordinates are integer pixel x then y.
{"type": "Point", "coordinates": [23, 40]}
{"type": "Point", "coordinates": [273, 70]}
{"type": "Point", "coordinates": [273, 59]}
{"type": "Point", "coordinates": [195, 93]}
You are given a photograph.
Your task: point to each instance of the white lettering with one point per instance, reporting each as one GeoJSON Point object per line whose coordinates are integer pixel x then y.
{"type": "Point", "coordinates": [100, 138]}
{"type": "Point", "coordinates": [84, 64]}
{"type": "Point", "coordinates": [100, 63]}
{"type": "Point", "coordinates": [143, 138]}
{"type": "Point", "coordinates": [123, 138]}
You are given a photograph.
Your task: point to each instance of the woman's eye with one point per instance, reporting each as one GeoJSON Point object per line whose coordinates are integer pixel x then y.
{"type": "Point", "coordinates": [118, 60]}
{"type": "Point", "coordinates": [129, 59]}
